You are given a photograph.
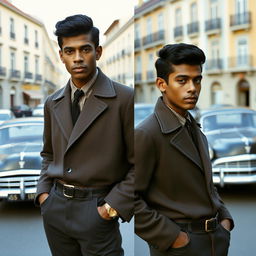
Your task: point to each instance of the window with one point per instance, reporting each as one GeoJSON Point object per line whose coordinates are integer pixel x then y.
{"type": "Point", "coordinates": [36, 39]}
{"type": "Point", "coordinates": [149, 26]}
{"type": "Point", "coordinates": [26, 63]}
{"type": "Point", "coordinates": [37, 65]}
{"type": "Point", "coordinates": [12, 60]}
{"type": "Point", "coordinates": [1, 97]}
{"type": "Point", "coordinates": [193, 12]}
{"type": "Point", "coordinates": [160, 20]}
{"type": "Point", "coordinates": [241, 6]}
{"type": "Point", "coordinates": [138, 64]}
{"type": "Point", "coordinates": [150, 62]}
{"type": "Point", "coordinates": [178, 18]}
{"type": "Point", "coordinates": [25, 34]}
{"type": "Point", "coordinates": [213, 9]}
{"type": "Point", "coordinates": [242, 52]}
{"type": "Point", "coordinates": [12, 30]}
{"type": "Point", "coordinates": [217, 94]}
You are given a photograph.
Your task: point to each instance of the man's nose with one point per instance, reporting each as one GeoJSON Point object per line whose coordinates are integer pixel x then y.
{"type": "Point", "coordinates": [78, 57]}
{"type": "Point", "coordinates": [192, 86]}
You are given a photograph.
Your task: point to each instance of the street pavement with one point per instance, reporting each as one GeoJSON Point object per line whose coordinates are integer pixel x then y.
{"type": "Point", "coordinates": [21, 229]}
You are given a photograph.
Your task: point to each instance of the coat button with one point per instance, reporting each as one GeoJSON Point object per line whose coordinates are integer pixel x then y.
{"type": "Point", "coordinates": [69, 170]}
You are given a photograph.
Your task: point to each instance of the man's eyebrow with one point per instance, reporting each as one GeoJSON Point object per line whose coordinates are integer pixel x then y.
{"type": "Point", "coordinates": [185, 76]}
{"type": "Point", "coordinates": [80, 47]}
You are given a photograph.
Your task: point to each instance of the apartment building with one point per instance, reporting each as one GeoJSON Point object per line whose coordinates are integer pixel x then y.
{"type": "Point", "coordinates": [224, 29]}
{"type": "Point", "coordinates": [117, 60]}
{"type": "Point", "coordinates": [29, 65]}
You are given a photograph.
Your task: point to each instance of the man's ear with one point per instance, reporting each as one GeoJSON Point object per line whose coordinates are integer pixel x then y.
{"type": "Point", "coordinates": [161, 84]}
{"type": "Point", "coordinates": [61, 55]}
{"type": "Point", "coordinates": [98, 52]}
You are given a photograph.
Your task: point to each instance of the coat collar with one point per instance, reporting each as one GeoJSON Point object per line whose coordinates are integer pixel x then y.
{"type": "Point", "coordinates": [94, 106]}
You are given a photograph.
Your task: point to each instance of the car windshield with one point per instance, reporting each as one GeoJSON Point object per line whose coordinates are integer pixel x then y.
{"type": "Point", "coordinates": [229, 121]}
{"type": "Point", "coordinates": [4, 116]}
{"type": "Point", "coordinates": [141, 113]}
{"type": "Point", "coordinates": [21, 133]}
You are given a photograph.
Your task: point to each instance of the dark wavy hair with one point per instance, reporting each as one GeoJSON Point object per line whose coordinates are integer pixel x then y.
{"type": "Point", "coordinates": [177, 54]}
{"type": "Point", "coordinates": [76, 25]}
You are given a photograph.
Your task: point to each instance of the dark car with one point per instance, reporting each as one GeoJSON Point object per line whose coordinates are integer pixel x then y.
{"type": "Point", "coordinates": [231, 134]}
{"type": "Point", "coordinates": [141, 111]}
{"type": "Point", "coordinates": [20, 160]}
{"type": "Point", "coordinates": [21, 110]}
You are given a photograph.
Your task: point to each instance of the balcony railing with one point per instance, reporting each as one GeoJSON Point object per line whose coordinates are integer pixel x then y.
{"type": "Point", "coordinates": [2, 71]}
{"type": "Point", "coordinates": [212, 24]}
{"type": "Point", "coordinates": [152, 38]}
{"type": "Point", "coordinates": [242, 61]}
{"type": "Point", "coordinates": [14, 74]}
{"type": "Point", "coordinates": [214, 64]}
{"type": "Point", "coordinates": [240, 19]}
{"type": "Point", "coordinates": [38, 77]}
{"type": "Point", "coordinates": [12, 35]}
{"type": "Point", "coordinates": [193, 27]}
{"type": "Point", "coordinates": [178, 31]}
{"type": "Point", "coordinates": [149, 5]}
{"type": "Point", "coordinates": [137, 77]}
{"type": "Point", "coordinates": [28, 75]}
{"type": "Point", "coordinates": [150, 75]}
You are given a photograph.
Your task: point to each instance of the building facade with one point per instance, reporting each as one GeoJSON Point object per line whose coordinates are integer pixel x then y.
{"type": "Point", "coordinates": [117, 60]}
{"type": "Point", "coordinates": [224, 29]}
{"type": "Point", "coordinates": [29, 65]}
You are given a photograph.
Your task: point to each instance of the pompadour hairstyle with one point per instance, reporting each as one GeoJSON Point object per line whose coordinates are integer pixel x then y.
{"type": "Point", "coordinates": [177, 54]}
{"type": "Point", "coordinates": [76, 25]}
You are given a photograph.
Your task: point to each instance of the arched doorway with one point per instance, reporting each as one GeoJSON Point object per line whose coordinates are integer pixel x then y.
{"type": "Point", "coordinates": [12, 96]}
{"type": "Point", "coordinates": [243, 93]}
{"type": "Point", "coordinates": [216, 94]}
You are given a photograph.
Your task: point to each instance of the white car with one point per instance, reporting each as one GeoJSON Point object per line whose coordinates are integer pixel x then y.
{"type": "Point", "coordinates": [5, 114]}
{"type": "Point", "coordinates": [38, 110]}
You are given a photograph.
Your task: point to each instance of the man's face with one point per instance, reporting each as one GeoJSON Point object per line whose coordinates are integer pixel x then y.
{"type": "Point", "coordinates": [79, 56]}
{"type": "Point", "coordinates": [183, 88]}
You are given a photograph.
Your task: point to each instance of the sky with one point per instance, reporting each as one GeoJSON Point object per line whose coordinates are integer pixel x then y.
{"type": "Point", "coordinates": [102, 12]}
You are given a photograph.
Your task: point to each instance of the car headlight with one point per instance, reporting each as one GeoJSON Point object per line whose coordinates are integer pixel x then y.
{"type": "Point", "coordinates": [211, 152]}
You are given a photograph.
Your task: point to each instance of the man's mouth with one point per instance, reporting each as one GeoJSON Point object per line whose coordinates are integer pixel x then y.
{"type": "Point", "coordinates": [79, 68]}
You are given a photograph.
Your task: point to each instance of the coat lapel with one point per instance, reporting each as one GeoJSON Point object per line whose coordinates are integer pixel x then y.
{"type": "Point", "coordinates": [62, 112]}
{"type": "Point", "coordinates": [93, 107]}
{"type": "Point", "coordinates": [169, 123]}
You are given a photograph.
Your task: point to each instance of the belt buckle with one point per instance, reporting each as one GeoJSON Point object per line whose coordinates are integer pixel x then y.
{"type": "Point", "coordinates": [68, 186]}
{"type": "Point", "coordinates": [206, 225]}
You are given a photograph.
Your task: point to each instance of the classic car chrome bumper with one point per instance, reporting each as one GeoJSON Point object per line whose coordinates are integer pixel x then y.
{"type": "Point", "coordinates": [239, 169]}
{"type": "Point", "coordinates": [18, 184]}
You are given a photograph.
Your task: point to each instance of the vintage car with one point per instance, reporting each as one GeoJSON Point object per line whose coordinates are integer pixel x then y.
{"type": "Point", "coordinates": [231, 134]}
{"type": "Point", "coordinates": [20, 160]}
{"type": "Point", "coordinates": [141, 111]}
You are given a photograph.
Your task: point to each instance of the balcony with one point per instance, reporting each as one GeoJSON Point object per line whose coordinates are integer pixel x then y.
{"type": "Point", "coordinates": [26, 40]}
{"type": "Point", "coordinates": [2, 72]}
{"type": "Point", "coordinates": [137, 44]}
{"type": "Point", "coordinates": [38, 78]}
{"type": "Point", "coordinates": [212, 26]}
{"type": "Point", "coordinates": [138, 77]}
{"type": "Point", "coordinates": [151, 76]}
{"type": "Point", "coordinates": [240, 21]}
{"type": "Point", "coordinates": [193, 29]}
{"type": "Point", "coordinates": [12, 35]}
{"type": "Point", "coordinates": [178, 32]}
{"type": "Point", "coordinates": [14, 75]}
{"type": "Point", "coordinates": [154, 39]}
{"type": "Point", "coordinates": [241, 63]}
{"type": "Point", "coordinates": [214, 66]}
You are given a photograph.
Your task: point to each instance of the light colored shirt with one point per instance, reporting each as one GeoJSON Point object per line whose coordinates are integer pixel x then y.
{"type": "Point", "coordinates": [181, 118]}
{"type": "Point", "coordinates": [87, 89]}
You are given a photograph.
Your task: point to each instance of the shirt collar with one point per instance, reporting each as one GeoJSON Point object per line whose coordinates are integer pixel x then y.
{"type": "Point", "coordinates": [181, 118]}
{"type": "Point", "coordinates": [86, 87]}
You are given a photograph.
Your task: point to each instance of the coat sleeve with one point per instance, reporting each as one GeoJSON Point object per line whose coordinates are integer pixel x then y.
{"type": "Point", "coordinates": [121, 197]}
{"type": "Point", "coordinates": [45, 182]}
{"type": "Point", "coordinates": [157, 229]}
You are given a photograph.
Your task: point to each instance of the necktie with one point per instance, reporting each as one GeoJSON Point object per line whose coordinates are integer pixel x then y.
{"type": "Point", "coordinates": [191, 132]}
{"type": "Point", "coordinates": [75, 109]}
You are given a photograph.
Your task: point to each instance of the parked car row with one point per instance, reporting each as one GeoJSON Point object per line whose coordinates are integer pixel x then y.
{"type": "Point", "coordinates": [231, 134]}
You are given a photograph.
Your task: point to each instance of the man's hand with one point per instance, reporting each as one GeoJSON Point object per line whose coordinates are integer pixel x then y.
{"type": "Point", "coordinates": [181, 241]}
{"type": "Point", "coordinates": [226, 224]}
{"type": "Point", "coordinates": [42, 197]}
{"type": "Point", "coordinates": [103, 212]}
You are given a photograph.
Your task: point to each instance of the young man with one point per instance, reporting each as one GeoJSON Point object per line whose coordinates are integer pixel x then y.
{"type": "Point", "coordinates": [86, 181]}
{"type": "Point", "coordinates": [177, 209]}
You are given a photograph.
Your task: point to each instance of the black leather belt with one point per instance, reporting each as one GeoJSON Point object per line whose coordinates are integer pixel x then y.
{"type": "Point", "coordinates": [202, 225]}
{"type": "Point", "coordinates": [72, 191]}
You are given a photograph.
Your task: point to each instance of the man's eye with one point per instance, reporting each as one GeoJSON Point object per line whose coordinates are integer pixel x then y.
{"type": "Point", "coordinates": [86, 49]}
{"type": "Point", "coordinates": [181, 81]}
{"type": "Point", "coordinates": [68, 51]}
{"type": "Point", "coordinates": [198, 81]}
